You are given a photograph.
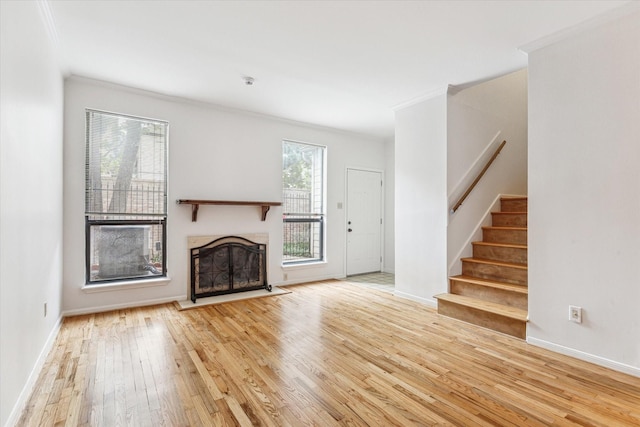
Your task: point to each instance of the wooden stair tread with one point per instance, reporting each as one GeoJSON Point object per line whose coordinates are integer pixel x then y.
{"type": "Point", "coordinates": [492, 307]}
{"type": "Point", "coordinates": [509, 213]}
{"type": "Point", "coordinates": [514, 198]}
{"type": "Point", "coordinates": [498, 263]}
{"type": "Point", "coordinates": [504, 228]}
{"type": "Point", "coordinates": [522, 289]}
{"type": "Point", "coordinates": [501, 245]}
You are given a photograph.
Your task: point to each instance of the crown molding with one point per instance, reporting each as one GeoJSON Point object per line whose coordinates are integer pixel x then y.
{"type": "Point", "coordinates": [443, 90]}
{"type": "Point", "coordinates": [595, 22]}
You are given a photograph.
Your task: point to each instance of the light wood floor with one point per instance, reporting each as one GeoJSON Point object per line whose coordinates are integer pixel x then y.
{"type": "Point", "coordinates": [325, 354]}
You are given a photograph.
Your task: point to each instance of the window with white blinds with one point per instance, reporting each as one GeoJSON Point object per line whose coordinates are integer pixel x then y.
{"type": "Point", "coordinates": [125, 196]}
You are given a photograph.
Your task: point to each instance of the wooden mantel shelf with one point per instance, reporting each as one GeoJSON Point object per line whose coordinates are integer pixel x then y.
{"type": "Point", "coordinates": [195, 204]}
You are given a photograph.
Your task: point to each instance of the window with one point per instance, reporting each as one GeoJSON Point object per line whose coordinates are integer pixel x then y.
{"type": "Point", "coordinates": [303, 195]}
{"type": "Point", "coordinates": [125, 197]}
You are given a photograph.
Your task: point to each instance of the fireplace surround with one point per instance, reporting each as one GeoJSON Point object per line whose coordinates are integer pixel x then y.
{"type": "Point", "coordinates": [227, 265]}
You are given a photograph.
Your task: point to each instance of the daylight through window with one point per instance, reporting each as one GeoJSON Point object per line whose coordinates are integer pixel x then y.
{"type": "Point", "coordinates": [303, 200]}
{"type": "Point", "coordinates": [126, 197]}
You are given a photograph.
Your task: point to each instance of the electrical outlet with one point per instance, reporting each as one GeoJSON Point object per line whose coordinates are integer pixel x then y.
{"type": "Point", "coordinates": [285, 276]}
{"type": "Point", "coordinates": [45, 309]}
{"type": "Point", "coordinates": [575, 314]}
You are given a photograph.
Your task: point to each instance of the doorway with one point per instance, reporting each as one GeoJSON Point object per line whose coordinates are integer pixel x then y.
{"type": "Point", "coordinates": [364, 221]}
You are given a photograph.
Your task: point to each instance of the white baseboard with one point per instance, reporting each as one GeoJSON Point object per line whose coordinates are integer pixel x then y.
{"type": "Point", "coordinates": [597, 360]}
{"type": "Point", "coordinates": [308, 280]}
{"type": "Point", "coordinates": [100, 309]}
{"type": "Point", "coordinates": [16, 412]}
{"type": "Point", "coordinates": [427, 301]}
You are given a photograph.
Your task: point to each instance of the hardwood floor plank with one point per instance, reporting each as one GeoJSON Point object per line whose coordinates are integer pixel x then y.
{"type": "Point", "coordinates": [201, 410]}
{"type": "Point", "coordinates": [238, 412]}
{"type": "Point", "coordinates": [212, 387]}
{"type": "Point", "coordinates": [326, 354]}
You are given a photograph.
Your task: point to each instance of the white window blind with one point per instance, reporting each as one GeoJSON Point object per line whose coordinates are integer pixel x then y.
{"type": "Point", "coordinates": [126, 166]}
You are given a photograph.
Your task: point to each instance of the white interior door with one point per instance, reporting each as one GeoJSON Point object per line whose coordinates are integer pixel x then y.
{"type": "Point", "coordinates": [364, 221]}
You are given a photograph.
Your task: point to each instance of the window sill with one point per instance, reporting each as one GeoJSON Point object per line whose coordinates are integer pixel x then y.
{"type": "Point", "coordinates": [304, 265]}
{"type": "Point", "coordinates": [128, 284]}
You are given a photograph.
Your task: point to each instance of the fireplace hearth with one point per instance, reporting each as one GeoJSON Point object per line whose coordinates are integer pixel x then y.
{"type": "Point", "coordinates": [227, 265]}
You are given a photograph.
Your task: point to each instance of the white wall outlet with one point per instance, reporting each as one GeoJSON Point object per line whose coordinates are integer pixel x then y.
{"type": "Point", "coordinates": [575, 314]}
{"type": "Point", "coordinates": [285, 276]}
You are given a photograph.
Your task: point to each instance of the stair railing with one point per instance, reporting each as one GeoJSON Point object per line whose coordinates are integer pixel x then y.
{"type": "Point", "coordinates": [478, 178]}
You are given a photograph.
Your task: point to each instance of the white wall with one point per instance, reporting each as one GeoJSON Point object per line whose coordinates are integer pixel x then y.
{"type": "Point", "coordinates": [30, 201]}
{"type": "Point", "coordinates": [421, 199]}
{"type": "Point", "coordinates": [584, 190]}
{"type": "Point", "coordinates": [389, 210]}
{"type": "Point", "coordinates": [213, 154]}
{"type": "Point", "coordinates": [496, 109]}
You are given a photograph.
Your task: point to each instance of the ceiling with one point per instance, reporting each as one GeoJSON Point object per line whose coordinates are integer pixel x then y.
{"type": "Point", "coordinates": [341, 64]}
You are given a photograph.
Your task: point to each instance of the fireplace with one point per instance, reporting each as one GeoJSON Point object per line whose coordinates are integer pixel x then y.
{"type": "Point", "coordinates": [227, 265]}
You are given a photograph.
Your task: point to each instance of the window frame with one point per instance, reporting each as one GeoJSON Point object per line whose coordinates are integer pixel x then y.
{"type": "Point", "coordinates": [310, 218]}
{"type": "Point", "coordinates": [126, 219]}
{"type": "Point", "coordinates": [114, 222]}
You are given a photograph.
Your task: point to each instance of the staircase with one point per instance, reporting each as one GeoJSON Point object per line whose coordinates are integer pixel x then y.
{"type": "Point", "coordinates": [492, 289]}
